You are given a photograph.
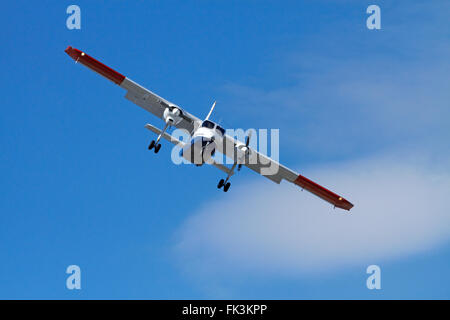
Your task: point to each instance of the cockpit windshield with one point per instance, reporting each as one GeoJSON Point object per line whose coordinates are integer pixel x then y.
{"type": "Point", "coordinates": [211, 125]}
{"type": "Point", "coordinates": [208, 124]}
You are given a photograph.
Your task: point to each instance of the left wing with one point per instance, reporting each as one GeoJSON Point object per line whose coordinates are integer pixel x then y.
{"type": "Point", "coordinates": [137, 94]}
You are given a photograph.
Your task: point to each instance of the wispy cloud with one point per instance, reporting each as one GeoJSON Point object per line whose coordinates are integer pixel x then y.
{"type": "Point", "coordinates": [400, 208]}
{"type": "Point", "coordinates": [359, 90]}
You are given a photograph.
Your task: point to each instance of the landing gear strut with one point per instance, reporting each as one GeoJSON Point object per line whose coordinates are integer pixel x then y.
{"type": "Point", "coordinates": [155, 144]}
{"type": "Point", "coordinates": [224, 183]}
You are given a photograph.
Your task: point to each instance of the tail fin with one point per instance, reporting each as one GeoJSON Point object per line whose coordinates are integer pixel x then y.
{"type": "Point", "coordinates": [210, 111]}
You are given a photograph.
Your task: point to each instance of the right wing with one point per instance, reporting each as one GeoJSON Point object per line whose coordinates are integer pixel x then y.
{"type": "Point", "coordinates": [135, 92]}
{"type": "Point", "coordinates": [273, 170]}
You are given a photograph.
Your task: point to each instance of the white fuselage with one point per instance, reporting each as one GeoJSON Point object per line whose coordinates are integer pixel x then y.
{"type": "Point", "coordinates": [202, 145]}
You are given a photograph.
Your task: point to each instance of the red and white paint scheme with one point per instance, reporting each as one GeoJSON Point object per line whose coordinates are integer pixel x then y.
{"type": "Point", "coordinates": [206, 136]}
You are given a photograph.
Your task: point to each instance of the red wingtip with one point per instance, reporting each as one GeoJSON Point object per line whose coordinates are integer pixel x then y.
{"type": "Point", "coordinates": [95, 65]}
{"type": "Point", "coordinates": [323, 193]}
{"type": "Point", "coordinates": [73, 53]}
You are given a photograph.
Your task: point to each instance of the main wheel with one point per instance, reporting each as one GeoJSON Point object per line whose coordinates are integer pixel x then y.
{"type": "Point", "coordinates": [157, 147]}
{"type": "Point", "coordinates": [227, 186]}
{"type": "Point", "coordinates": [221, 182]}
{"type": "Point", "coordinates": [151, 145]}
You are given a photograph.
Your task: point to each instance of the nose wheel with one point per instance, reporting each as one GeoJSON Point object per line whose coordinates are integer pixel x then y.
{"type": "Point", "coordinates": [155, 146]}
{"type": "Point", "coordinates": [224, 184]}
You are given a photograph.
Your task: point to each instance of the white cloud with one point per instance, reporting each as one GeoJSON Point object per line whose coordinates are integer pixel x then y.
{"type": "Point", "coordinates": [400, 209]}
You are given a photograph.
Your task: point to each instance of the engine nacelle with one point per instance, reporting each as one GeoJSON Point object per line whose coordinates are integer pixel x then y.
{"type": "Point", "coordinates": [244, 153]}
{"type": "Point", "coordinates": [172, 115]}
{"type": "Point", "coordinates": [244, 149]}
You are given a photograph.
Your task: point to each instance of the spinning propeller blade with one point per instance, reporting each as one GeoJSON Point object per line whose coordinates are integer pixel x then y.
{"type": "Point", "coordinates": [247, 142]}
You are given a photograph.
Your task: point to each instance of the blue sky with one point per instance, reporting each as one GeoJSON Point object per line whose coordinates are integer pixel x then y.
{"type": "Point", "coordinates": [363, 112]}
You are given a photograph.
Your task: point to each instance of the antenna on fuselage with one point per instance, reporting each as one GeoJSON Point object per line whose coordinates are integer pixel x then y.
{"type": "Point", "coordinates": [210, 111]}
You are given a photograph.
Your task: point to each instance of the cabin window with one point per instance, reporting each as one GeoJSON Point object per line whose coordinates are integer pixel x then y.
{"type": "Point", "coordinates": [221, 130]}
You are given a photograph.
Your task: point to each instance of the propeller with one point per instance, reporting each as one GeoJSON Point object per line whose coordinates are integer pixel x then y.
{"type": "Point", "coordinates": [247, 142]}
{"type": "Point", "coordinates": [171, 107]}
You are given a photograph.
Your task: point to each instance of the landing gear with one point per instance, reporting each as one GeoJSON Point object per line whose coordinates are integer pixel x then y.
{"type": "Point", "coordinates": [154, 145]}
{"type": "Point", "coordinates": [223, 183]}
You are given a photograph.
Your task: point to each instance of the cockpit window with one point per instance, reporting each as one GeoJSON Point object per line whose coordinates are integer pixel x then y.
{"type": "Point", "coordinates": [221, 130]}
{"type": "Point", "coordinates": [208, 124]}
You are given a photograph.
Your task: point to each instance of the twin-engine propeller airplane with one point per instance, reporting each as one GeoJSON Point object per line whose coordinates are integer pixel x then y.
{"type": "Point", "coordinates": [205, 136]}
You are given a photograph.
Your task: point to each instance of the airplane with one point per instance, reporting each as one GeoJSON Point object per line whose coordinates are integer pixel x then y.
{"type": "Point", "coordinates": [206, 136]}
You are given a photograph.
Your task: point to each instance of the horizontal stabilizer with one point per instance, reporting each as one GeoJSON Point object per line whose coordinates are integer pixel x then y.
{"type": "Point", "coordinates": [165, 135]}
